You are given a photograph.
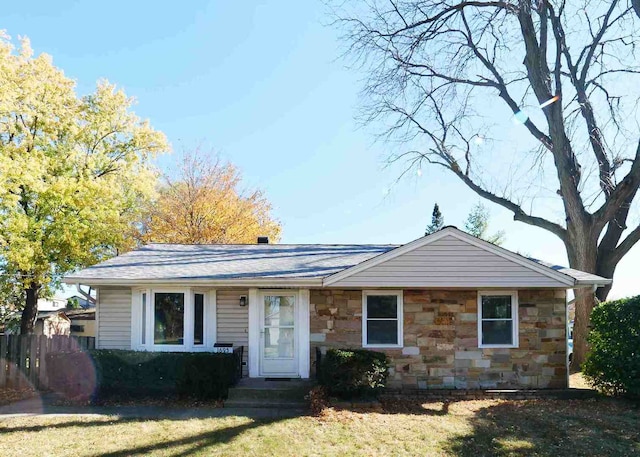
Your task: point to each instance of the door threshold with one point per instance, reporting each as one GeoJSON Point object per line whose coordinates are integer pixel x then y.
{"type": "Point", "coordinates": [277, 378]}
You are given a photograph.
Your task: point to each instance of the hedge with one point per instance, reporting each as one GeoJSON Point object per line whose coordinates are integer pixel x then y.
{"type": "Point", "coordinates": [353, 373]}
{"type": "Point", "coordinates": [145, 374]}
{"type": "Point", "coordinates": [206, 375]}
{"type": "Point", "coordinates": [613, 362]}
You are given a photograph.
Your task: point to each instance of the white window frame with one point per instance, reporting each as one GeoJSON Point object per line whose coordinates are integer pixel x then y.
{"type": "Point", "coordinates": [400, 318]}
{"type": "Point", "coordinates": [210, 324]}
{"type": "Point", "coordinates": [514, 317]}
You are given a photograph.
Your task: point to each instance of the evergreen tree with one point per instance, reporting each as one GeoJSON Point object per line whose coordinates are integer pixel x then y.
{"type": "Point", "coordinates": [437, 221]}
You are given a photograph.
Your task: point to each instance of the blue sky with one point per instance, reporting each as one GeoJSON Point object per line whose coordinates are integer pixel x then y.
{"type": "Point", "coordinates": [262, 84]}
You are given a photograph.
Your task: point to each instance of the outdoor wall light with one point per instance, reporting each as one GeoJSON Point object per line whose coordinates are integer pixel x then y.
{"type": "Point", "coordinates": [243, 300]}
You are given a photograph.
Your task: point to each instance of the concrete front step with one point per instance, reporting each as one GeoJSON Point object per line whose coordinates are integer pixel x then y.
{"type": "Point", "coordinates": [260, 393]}
{"type": "Point", "coordinates": [249, 393]}
{"type": "Point", "coordinates": [271, 404]}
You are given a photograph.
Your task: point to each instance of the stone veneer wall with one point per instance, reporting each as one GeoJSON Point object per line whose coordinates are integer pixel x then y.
{"type": "Point", "coordinates": [441, 339]}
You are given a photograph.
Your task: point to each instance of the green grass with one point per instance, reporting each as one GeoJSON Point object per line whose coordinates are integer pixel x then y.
{"type": "Point", "coordinates": [471, 428]}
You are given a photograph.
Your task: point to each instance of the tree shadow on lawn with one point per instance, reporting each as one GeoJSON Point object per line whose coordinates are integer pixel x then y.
{"type": "Point", "coordinates": [198, 441]}
{"type": "Point", "coordinates": [552, 427]}
{"type": "Point", "coordinates": [415, 406]}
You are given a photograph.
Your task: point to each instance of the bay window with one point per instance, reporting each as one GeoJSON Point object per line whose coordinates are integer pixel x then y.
{"type": "Point", "coordinates": [143, 320]}
{"type": "Point", "coordinates": [173, 319]}
{"type": "Point", "coordinates": [198, 319]}
{"type": "Point", "coordinates": [168, 325]}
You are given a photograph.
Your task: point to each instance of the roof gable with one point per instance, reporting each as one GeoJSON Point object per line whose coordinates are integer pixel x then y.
{"type": "Point", "coordinates": [449, 258]}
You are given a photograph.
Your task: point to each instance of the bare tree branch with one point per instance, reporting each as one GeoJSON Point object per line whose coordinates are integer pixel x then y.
{"type": "Point", "coordinates": [627, 187]}
{"type": "Point", "coordinates": [439, 72]}
{"type": "Point", "coordinates": [623, 248]}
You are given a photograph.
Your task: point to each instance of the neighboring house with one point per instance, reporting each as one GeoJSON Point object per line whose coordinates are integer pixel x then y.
{"type": "Point", "coordinates": [82, 301]}
{"type": "Point", "coordinates": [571, 309]}
{"type": "Point", "coordinates": [52, 304]}
{"type": "Point", "coordinates": [74, 322]}
{"type": "Point", "coordinates": [83, 321]}
{"type": "Point", "coordinates": [449, 309]}
{"type": "Point", "coordinates": [48, 310]}
{"type": "Point", "coordinates": [52, 323]}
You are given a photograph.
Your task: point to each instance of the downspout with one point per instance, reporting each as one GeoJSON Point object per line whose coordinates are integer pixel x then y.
{"type": "Point", "coordinates": [86, 295]}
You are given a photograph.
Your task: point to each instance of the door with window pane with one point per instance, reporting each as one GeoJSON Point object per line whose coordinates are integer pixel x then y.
{"type": "Point", "coordinates": [278, 341]}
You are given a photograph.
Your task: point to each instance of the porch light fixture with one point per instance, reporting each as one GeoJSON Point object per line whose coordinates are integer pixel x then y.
{"type": "Point", "coordinates": [243, 300]}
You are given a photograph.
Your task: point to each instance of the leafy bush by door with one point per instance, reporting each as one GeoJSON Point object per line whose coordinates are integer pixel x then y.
{"type": "Point", "coordinates": [613, 363]}
{"type": "Point", "coordinates": [353, 373]}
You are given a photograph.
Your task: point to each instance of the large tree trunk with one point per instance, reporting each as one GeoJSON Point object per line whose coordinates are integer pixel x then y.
{"type": "Point", "coordinates": [587, 255]}
{"type": "Point", "coordinates": [582, 250]}
{"type": "Point", "coordinates": [585, 302]}
{"type": "Point", "coordinates": [30, 311]}
{"type": "Point", "coordinates": [606, 270]}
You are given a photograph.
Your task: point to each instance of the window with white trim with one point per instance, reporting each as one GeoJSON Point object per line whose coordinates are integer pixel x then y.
{"type": "Point", "coordinates": [198, 319]}
{"type": "Point", "coordinates": [498, 319]}
{"type": "Point", "coordinates": [382, 318]}
{"type": "Point", "coordinates": [168, 318]}
{"type": "Point", "coordinates": [173, 319]}
{"type": "Point", "coordinates": [143, 321]}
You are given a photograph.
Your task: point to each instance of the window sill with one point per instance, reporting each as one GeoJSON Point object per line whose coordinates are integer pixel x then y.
{"type": "Point", "coordinates": [498, 346]}
{"type": "Point", "coordinates": [382, 346]}
{"type": "Point", "coordinates": [174, 348]}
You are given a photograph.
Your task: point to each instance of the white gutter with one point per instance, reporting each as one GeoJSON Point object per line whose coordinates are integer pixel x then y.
{"type": "Point", "coordinates": [595, 283]}
{"type": "Point", "coordinates": [274, 282]}
{"type": "Point", "coordinates": [187, 282]}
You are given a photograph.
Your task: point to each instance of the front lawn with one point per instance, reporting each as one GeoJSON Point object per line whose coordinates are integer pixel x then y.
{"type": "Point", "coordinates": [470, 428]}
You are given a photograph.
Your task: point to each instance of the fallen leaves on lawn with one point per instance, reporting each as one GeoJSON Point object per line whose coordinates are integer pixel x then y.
{"type": "Point", "coordinates": [12, 395]}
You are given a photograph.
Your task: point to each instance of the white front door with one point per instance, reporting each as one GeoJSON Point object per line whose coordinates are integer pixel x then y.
{"type": "Point", "coordinates": [278, 334]}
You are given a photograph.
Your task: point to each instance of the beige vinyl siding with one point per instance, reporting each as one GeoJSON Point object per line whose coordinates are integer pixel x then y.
{"type": "Point", "coordinates": [233, 321]}
{"type": "Point", "coordinates": [448, 262]}
{"type": "Point", "coordinates": [89, 327]}
{"type": "Point", "coordinates": [114, 318]}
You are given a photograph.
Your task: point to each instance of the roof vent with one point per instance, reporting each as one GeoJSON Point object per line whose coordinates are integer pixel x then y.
{"type": "Point", "coordinates": [263, 240]}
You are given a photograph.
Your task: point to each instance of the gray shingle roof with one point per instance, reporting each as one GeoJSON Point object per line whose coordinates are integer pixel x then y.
{"type": "Point", "coordinates": [581, 277]}
{"type": "Point", "coordinates": [257, 262]}
{"type": "Point", "coordinates": [231, 261]}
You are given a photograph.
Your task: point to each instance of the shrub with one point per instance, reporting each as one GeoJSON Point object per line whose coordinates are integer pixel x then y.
{"type": "Point", "coordinates": [353, 373]}
{"type": "Point", "coordinates": [135, 374]}
{"type": "Point", "coordinates": [207, 376]}
{"type": "Point", "coordinates": [613, 363]}
{"type": "Point", "coordinates": [145, 374]}
{"type": "Point", "coordinates": [317, 400]}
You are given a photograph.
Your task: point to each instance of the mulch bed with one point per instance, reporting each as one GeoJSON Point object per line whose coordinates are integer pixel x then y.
{"type": "Point", "coordinates": [165, 402]}
{"type": "Point", "coordinates": [11, 395]}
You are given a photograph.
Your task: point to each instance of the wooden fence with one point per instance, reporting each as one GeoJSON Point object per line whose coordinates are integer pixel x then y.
{"type": "Point", "coordinates": [23, 357]}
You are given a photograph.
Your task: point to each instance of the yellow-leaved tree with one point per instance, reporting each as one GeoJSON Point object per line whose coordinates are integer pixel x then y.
{"type": "Point", "coordinates": [204, 204]}
{"type": "Point", "coordinates": [74, 172]}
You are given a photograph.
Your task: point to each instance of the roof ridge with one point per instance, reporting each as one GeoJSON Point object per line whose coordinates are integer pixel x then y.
{"type": "Point", "coordinates": [273, 244]}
